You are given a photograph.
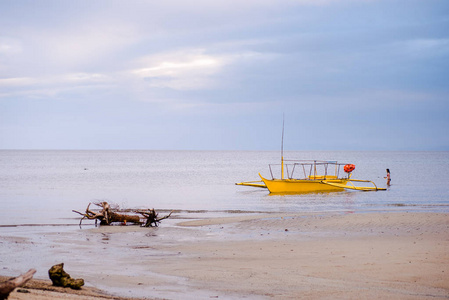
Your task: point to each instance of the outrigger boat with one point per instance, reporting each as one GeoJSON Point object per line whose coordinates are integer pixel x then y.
{"type": "Point", "coordinates": [317, 176]}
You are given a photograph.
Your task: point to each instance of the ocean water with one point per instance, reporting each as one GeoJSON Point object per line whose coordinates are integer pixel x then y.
{"type": "Point", "coordinates": [42, 187]}
{"type": "Point", "coordinates": [39, 190]}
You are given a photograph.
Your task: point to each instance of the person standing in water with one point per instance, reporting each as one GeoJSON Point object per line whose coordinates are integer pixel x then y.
{"type": "Point", "coordinates": [388, 177]}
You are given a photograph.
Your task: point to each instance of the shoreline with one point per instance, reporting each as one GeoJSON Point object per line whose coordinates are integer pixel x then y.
{"type": "Point", "coordinates": [277, 255]}
{"type": "Point", "coordinates": [40, 289]}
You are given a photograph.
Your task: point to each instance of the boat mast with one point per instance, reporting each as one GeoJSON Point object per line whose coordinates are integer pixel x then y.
{"type": "Point", "coordinates": [282, 147]}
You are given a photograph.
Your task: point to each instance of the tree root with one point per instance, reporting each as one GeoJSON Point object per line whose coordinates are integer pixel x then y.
{"type": "Point", "coordinates": [152, 219]}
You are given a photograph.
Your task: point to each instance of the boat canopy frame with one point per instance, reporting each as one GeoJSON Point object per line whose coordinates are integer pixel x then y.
{"type": "Point", "coordinates": [309, 168]}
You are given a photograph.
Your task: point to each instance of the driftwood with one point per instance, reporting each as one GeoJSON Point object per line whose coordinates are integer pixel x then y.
{"type": "Point", "coordinates": [107, 216]}
{"type": "Point", "coordinates": [152, 219]}
{"type": "Point", "coordinates": [59, 277]}
{"type": "Point", "coordinates": [8, 286]}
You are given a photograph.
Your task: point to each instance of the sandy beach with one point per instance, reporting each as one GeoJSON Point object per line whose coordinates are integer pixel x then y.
{"type": "Point", "coordinates": [394, 255]}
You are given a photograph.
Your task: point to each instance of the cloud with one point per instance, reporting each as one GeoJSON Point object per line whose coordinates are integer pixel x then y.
{"type": "Point", "coordinates": [52, 86]}
{"type": "Point", "coordinates": [175, 60]}
{"type": "Point", "coordinates": [17, 82]}
{"type": "Point", "coordinates": [427, 46]}
{"type": "Point", "coordinates": [188, 69]}
{"type": "Point", "coordinates": [83, 46]}
{"type": "Point", "coordinates": [181, 70]}
{"type": "Point", "coordinates": [89, 78]}
{"type": "Point", "coordinates": [9, 46]}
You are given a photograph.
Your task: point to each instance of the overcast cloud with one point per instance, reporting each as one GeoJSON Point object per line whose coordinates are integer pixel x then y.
{"type": "Point", "coordinates": [212, 75]}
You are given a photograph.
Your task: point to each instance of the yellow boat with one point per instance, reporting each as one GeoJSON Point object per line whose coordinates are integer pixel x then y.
{"type": "Point", "coordinates": [315, 176]}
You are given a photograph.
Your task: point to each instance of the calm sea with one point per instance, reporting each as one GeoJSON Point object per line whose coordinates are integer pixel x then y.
{"type": "Point", "coordinates": [42, 187]}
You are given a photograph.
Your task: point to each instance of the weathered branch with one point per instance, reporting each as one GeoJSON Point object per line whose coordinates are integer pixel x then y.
{"type": "Point", "coordinates": [8, 286]}
{"type": "Point", "coordinates": [103, 215]}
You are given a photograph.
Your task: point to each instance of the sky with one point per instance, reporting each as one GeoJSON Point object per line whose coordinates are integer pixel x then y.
{"type": "Point", "coordinates": [222, 75]}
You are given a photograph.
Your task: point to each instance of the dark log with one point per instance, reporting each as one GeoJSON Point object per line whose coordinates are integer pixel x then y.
{"type": "Point", "coordinates": [8, 286]}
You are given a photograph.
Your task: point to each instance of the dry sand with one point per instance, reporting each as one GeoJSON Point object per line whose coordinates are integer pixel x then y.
{"type": "Point", "coordinates": [43, 290]}
{"type": "Point", "coordinates": [300, 256]}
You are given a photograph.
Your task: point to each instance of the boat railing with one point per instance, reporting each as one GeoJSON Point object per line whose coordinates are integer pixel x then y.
{"type": "Point", "coordinates": [312, 170]}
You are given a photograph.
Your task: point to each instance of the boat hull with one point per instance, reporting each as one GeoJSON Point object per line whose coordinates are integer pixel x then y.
{"type": "Point", "coordinates": [303, 185]}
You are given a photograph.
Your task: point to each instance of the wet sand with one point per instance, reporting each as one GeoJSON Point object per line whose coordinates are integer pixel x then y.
{"type": "Point", "coordinates": [394, 255]}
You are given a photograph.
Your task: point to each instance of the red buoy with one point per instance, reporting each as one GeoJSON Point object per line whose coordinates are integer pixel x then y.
{"type": "Point", "coordinates": [349, 168]}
